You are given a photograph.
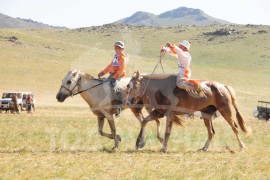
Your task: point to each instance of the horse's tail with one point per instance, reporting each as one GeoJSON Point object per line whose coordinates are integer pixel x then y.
{"type": "Point", "coordinates": [239, 117]}
{"type": "Point", "coordinates": [178, 120]}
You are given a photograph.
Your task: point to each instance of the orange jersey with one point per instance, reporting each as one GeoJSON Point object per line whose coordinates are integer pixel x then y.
{"type": "Point", "coordinates": [117, 66]}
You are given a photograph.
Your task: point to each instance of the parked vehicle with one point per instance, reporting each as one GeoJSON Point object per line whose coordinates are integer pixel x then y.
{"type": "Point", "coordinates": [263, 110]}
{"type": "Point", "coordinates": [6, 103]}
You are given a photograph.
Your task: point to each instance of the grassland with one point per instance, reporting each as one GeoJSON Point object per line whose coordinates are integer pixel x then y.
{"type": "Point", "coordinates": [61, 140]}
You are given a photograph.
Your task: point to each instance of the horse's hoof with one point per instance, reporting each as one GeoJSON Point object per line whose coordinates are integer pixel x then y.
{"type": "Point", "coordinates": [201, 150]}
{"type": "Point", "coordinates": [164, 150]}
{"type": "Point", "coordinates": [119, 138]}
{"type": "Point", "coordinates": [141, 144]}
{"type": "Point", "coordinates": [161, 139]}
{"type": "Point", "coordinates": [242, 150]}
{"type": "Point", "coordinates": [114, 149]}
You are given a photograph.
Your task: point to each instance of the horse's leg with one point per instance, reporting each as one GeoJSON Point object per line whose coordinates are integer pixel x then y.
{"type": "Point", "coordinates": [100, 128]}
{"type": "Point", "coordinates": [138, 114]}
{"type": "Point", "coordinates": [173, 106]}
{"type": "Point", "coordinates": [209, 125]}
{"type": "Point", "coordinates": [227, 114]}
{"type": "Point", "coordinates": [116, 137]}
{"type": "Point", "coordinates": [169, 123]}
{"type": "Point", "coordinates": [140, 140]}
{"type": "Point", "coordinates": [149, 108]}
{"type": "Point", "coordinates": [161, 139]}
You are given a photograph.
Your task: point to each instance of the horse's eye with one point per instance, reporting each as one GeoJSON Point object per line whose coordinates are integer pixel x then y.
{"type": "Point", "coordinates": [69, 82]}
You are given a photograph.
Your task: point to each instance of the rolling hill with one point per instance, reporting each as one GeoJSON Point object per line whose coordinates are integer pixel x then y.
{"type": "Point", "coordinates": [37, 59]}
{"type": "Point", "coordinates": [10, 22]}
{"type": "Point", "coordinates": [176, 17]}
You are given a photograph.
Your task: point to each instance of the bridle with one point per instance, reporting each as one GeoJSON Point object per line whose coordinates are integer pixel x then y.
{"type": "Point", "coordinates": [137, 96]}
{"type": "Point", "coordinates": [70, 91]}
{"type": "Point", "coordinates": [78, 84]}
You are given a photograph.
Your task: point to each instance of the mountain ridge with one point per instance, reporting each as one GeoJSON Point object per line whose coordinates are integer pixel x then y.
{"type": "Point", "coordinates": [10, 22]}
{"type": "Point", "coordinates": [175, 17]}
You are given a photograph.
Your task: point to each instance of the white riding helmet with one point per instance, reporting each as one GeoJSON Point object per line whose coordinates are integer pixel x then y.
{"type": "Point", "coordinates": [186, 44]}
{"type": "Point", "coordinates": [119, 44]}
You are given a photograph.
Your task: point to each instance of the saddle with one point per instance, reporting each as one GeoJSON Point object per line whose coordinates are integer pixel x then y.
{"type": "Point", "coordinates": [195, 88]}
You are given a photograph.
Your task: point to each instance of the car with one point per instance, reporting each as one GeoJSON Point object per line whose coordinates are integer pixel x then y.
{"type": "Point", "coordinates": [263, 110]}
{"type": "Point", "coordinates": [6, 103]}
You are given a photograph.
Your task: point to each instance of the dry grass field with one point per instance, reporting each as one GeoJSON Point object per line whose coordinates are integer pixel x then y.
{"type": "Point", "coordinates": [61, 141]}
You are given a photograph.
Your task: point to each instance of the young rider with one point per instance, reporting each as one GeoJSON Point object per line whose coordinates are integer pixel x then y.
{"type": "Point", "coordinates": [181, 52]}
{"type": "Point", "coordinates": [117, 70]}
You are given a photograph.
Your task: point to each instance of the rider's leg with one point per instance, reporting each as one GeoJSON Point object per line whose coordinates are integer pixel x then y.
{"type": "Point", "coordinates": [188, 84]}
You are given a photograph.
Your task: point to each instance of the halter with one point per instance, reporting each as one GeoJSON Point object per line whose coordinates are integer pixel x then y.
{"type": "Point", "coordinates": [70, 91]}
{"type": "Point", "coordinates": [137, 98]}
{"type": "Point", "coordinates": [77, 84]}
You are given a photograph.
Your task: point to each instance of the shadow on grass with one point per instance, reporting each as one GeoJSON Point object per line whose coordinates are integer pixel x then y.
{"type": "Point", "coordinates": [104, 150]}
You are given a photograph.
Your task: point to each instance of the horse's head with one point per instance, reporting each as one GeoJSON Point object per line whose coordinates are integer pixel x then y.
{"type": "Point", "coordinates": [69, 85]}
{"type": "Point", "coordinates": [134, 89]}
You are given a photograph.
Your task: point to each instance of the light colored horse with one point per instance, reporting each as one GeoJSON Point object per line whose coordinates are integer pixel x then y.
{"type": "Point", "coordinates": [100, 98]}
{"type": "Point", "coordinates": [169, 101]}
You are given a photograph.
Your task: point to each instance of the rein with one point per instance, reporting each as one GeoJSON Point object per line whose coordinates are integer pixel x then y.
{"type": "Point", "coordinates": [89, 88]}
{"type": "Point", "coordinates": [77, 84]}
{"type": "Point", "coordinates": [161, 56]}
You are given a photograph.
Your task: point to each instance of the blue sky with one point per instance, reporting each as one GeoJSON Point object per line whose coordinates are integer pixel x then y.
{"type": "Point", "coordinates": [84, 13]}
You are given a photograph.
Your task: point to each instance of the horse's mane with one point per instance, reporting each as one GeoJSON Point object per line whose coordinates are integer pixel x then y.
{"type": "Point", "coordinates": [86, 75]}
{"type": "Point", "coordinates": [90, 77]}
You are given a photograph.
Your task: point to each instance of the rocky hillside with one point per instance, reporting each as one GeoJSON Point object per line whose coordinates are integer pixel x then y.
{"type": "Point", "coordinates": [176, 17]}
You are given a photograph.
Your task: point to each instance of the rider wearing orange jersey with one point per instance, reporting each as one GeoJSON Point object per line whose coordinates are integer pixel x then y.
{"type": "Point", "coordinates": [117, 70]}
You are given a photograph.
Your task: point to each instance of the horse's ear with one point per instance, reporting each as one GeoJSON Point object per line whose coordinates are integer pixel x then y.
{"type": "Point", "coordinates": [137, 74]}
{"type": "Point", "coordinates": [72, 70]}
{"type": "Point", "coordinates": [76, 73]}
{"type": "Point", "coordinates": [134, 75]}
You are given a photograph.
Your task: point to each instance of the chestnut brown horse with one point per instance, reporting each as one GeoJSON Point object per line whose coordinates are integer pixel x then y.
{"type": "Point", "coordinates": [169, 101]}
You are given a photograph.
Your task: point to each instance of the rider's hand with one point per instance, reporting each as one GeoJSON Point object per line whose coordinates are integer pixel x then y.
{"type": "Point", "coordinates": [169, 45]}
{"type": "Point", "coordinates": [162, 48]}
{"type": "Point", "coordinates": [100, 74]}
